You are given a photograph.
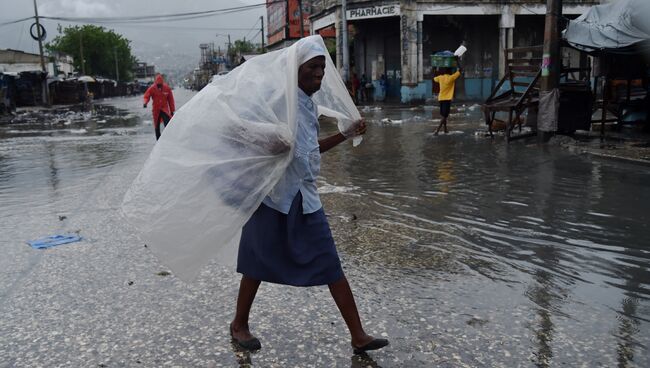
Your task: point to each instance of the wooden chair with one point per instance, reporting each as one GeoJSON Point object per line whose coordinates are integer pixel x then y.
{"type": "Point", "coordinates": [520, 95]}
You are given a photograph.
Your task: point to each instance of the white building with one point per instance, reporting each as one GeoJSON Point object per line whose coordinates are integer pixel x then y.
{"type": "Point", "coordinates": [18, 61]}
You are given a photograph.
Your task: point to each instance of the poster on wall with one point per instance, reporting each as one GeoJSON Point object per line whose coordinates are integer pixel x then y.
{"type": "Point", "coordinates": [277, 19]}
{"type": "Point", "coordinates": [294, 18]}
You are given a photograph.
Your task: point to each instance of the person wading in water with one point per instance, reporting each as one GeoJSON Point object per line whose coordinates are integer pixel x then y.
{"type": "Point", "coordinates": [163, 103]}
{"type": "Point", "coordinates": [288, 239]}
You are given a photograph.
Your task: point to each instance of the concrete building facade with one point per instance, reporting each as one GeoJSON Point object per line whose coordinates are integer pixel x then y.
{"type": "Point", "coordinates": [391, 41]}
{"type": "Point", "coordinates": [16, 61]}
{"type": "Point", "coordinates": [283, 22]}
{"type": "Point", "coordinates": [145, 73]}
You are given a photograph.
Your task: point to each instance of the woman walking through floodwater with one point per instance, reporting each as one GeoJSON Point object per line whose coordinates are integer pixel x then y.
{"type": "Point", "coordinates": [288, 240]}
{"type": "Point", "coordinates": [242, 183]}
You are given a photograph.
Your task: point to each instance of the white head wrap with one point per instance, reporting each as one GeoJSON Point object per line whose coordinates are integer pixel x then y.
{"type": "Point", "coordinates": [309, 47]}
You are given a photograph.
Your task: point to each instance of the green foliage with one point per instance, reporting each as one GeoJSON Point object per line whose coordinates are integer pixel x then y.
{"type": "Point", "coordinates": [241, 47]}
{"type": "Point", "coordinates": [331, 47]}
{"type": "Point", "coordinates": [100, 48]}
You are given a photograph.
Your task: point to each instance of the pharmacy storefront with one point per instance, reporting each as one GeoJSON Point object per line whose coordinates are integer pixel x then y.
{"type": "Point", "coordinates": [374, 45]}
{"type": "Point", "coordinates": [391, 42]}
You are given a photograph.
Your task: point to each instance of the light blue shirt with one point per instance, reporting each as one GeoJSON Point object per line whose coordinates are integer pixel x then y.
{"type": "Point", "coordinates": [304, 168]}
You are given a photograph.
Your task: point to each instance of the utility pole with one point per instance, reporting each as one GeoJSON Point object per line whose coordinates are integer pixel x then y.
{"type": "Point", "coordinates": [81, 51]}
{"type": "Point", "coordinates": [302, 25]}
{"type": "Point", "coordinates": [229, 61]}
{"type": "Point", "coordinates": [552, 61]}
{"type": "Point", "coordinates": [46, 97]}
{"type": "Point", "coordinates": [117, 70]}
{"type": "Point", "coordinates": [262, 30]}
{"type": "Point", "coordinates": [40, 41]}
{"type": "Point", "coordinates": [551, 68]}
{"type": "Point", "coordinates": [344, 40]}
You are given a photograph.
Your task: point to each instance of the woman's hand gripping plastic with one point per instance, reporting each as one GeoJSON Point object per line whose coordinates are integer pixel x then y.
{"type": "Point", "coordinates": [279, 141]}
{"type": "Point", "coordinates": [355, 131]}
{"type": "Point", "coordinates": [350, 128]}
{"type": "Point", "coordinates": [268, 138]}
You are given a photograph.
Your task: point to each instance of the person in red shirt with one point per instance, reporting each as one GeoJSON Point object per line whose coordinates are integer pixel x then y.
{"type": "Point", "coordinates": [355, 87]}
{"type": "Point", "coordinates": [163, 103]}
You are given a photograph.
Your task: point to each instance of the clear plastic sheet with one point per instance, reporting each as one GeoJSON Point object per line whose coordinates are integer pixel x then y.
{"type": "Point", "coordinates": [221, 154]}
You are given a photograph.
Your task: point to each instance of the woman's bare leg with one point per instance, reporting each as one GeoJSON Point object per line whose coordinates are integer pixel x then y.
{"type": "Point", "coordinates": [247, 291]}
{"type": "Point", "coordinates": [344, 300]}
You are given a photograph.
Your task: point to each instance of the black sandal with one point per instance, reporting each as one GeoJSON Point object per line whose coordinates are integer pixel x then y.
{"type": "Point", "coordinates": [372, 345]}
{"type": "Point", "coordinates": [250, 344]}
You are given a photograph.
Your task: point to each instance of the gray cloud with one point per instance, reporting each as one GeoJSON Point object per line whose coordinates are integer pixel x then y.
{"type": "Point", "coordinates": [167, 44]}
{"type": "Point", "coordinates": [79, 8]}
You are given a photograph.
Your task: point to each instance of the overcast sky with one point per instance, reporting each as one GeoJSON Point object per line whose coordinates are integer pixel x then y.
{"type": "Point", "coordinates": [149, 41]}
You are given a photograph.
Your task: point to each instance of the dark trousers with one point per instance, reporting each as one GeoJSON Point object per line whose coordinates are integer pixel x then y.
{"type": "Point", "coordinates": [164, 118]}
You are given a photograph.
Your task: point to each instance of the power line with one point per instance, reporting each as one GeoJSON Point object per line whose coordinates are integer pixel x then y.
{"type": "Point", "coordinates": [252, 29]}
{"type": "Point", "coordinates": [171, 28]}
{"type": "Point", "coordinates": [15, 21]}
{"type": "Point", "coordinates": [255, 35]}
{"type": "Point", "coordinates": [150, 18]}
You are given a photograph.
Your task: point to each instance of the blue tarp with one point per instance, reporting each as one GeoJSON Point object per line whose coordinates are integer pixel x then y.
{"type": "Point", "coordinates": [54, 240]}
{"type": "Point", "coordinates": [444, 53]}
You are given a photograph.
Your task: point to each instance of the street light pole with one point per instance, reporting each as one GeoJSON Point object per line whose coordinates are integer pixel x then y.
{"type": "Point", "coordinates": [344, 40]}
{"type": "Point", "coordinates": [117, 70]}
{"type": "Point", "coordinates": [229, 61]}
{"type": "Point", "coordinates": [81, 51]}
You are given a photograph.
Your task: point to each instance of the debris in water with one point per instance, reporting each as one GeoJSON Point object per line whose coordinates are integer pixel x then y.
{"type": "Point", "coordinates": [391, 121]}
{"type": "Point", "coordinates": [52, 241]}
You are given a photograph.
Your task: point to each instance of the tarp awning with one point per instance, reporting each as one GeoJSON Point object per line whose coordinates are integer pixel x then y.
{"type": "Point", "coordinates": [618, 26]}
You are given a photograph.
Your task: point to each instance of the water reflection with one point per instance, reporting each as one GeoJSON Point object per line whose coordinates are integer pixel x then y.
{"type": "Point", "coordinates": [242, 356]}
{"type": "Point", "coordinates": [560, 223]}
{"type": "Point", "coordinates": [548, 297]}
{"type": "Point", "coordinates": [53, 178]}
{"type": "Point", "coordinates": [363, 361]}
{"type": "Point", "coordinates": [628, 316]}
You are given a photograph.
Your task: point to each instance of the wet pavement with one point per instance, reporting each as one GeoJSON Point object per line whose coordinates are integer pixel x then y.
{"type": "Point", "coordinates": [462, 250]}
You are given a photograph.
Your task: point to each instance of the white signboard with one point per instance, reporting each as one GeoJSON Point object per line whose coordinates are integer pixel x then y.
{"type": "Point", "coordinates": [378, 11]}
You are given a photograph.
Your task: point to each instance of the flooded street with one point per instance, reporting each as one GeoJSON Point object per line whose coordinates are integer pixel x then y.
{"type": "Point", "coordinates": [462, 250]}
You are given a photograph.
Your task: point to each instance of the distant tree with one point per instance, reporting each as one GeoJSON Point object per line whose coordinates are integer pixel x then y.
{"type": "Point", "coordinates": [100, 48]}
{"type": "Point", "coordinates": [242, 47]}
{"type": "Point", "coordinates": [331, 47]}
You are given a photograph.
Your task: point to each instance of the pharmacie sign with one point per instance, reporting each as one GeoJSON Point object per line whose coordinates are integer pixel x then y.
{"type": "Point", "coordinates": [373, 12]}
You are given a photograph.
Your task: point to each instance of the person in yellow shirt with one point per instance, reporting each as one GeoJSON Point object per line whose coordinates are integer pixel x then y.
{"type": "Point", "coordinates": [447, 82]}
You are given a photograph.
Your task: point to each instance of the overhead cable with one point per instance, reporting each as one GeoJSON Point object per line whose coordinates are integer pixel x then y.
{"type": "Point", "coordinates": [149, 18]}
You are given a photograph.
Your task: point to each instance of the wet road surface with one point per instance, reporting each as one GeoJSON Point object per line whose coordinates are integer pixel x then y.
{"type": "Point", "coordinates": [462, 250]}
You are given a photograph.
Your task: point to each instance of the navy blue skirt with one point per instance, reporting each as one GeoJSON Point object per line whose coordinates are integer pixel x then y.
{"type": "Point", "coordinates": [294, 249]}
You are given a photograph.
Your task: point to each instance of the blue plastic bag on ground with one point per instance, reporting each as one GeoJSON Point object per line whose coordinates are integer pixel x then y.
{"type": "Point", "coordinates": [52, 241]}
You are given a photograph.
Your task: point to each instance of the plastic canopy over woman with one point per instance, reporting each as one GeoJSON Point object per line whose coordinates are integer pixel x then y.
{"type": "Point", "coordinates": [247, 153]}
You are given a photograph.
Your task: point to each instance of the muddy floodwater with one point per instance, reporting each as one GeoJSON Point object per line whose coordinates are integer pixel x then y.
{"type": "Point", "coordinates": [462, 250]}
